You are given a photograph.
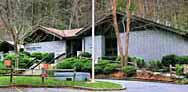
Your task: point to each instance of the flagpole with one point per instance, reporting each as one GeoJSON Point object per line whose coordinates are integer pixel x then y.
{"type": "Point", "coordinates": [93, 41]}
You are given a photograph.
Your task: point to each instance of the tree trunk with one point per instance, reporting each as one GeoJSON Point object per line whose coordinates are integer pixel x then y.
{"type": "Point", "coordinates": [116, 29]}
{"type": "Point", "coordinates": [128, 14]}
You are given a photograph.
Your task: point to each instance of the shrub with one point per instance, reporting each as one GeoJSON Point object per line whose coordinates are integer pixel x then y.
{"type": "Point", "coordinates": [23, 59]}
{"type": "Point", "coordinates": [1, 65]}
{"type": "Point", "coordinates": [169, 59]}
{"type": "Point", "coordinates": [67, 63]}
{"type": "Point", "coordinates": [85, 54]}
{"type": "Point", "coordinates": [179, 69]}
{"type": "Point", "coordinates": [80, 64]}
{"type": "Point", "coordinates": [37, 55]}
{"type": "Point", "coordinates": [181, 59]}
{"type": "Point", "coordinates": [99, 68]}
{"type": "Point", "coordinates": [173, 60]}
{"type": "Point", "coordinates": [11, 57]}
{"type": "Point", "coordinates": [129, 70]}
{"type": "Point", "coordinates": [84, 65]}
{"type": "Point", "coordinates": [87, 67]}
{"type": "Point", "coordinates": [156, 66]}
{"type": "Point", "coordinates": [139, 61]}
{"type": "Point", "coordinates": [110, 68]}
{"type": "Point", "coordinates": [43, 56]}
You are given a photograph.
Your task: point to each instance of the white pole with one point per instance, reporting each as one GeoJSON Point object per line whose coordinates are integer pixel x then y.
{"type": "Point", "coordinates": [93, 41]}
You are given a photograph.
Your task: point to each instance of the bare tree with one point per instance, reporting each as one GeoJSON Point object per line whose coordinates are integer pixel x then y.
{"type": "Point", "coordinates": [13, 15]}
{"type": "Point", "coordinates": [116, 29]}
{"type": "Point", "coordinates": [128, 18]}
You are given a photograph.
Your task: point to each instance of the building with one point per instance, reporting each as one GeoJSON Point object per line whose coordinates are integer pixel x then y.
{"type": "Point", "coordinates": [147, 39]}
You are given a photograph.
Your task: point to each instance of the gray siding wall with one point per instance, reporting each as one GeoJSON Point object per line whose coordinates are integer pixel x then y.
{"type": "Point", "coordinates": [56, 47]}
{"type": "Point", "coordinates": [99, 45]}
{"type": "Point", "coordinates": [152, 45]}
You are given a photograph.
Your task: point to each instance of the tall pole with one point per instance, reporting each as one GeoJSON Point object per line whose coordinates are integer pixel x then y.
{"type": "Point", "coordinates": [93, 41]}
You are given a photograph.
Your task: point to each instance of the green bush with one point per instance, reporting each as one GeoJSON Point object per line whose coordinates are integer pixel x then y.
{"type": "Point", "coordinates": [179, 69]}
{"type": "Point", "coordinates": [43, 56]}
{"type": "Point", "coordinates": [1, 65]}
{"type": "Point", "coordinates": [85, 54]}
{"type": "Point", "coordinates": [67, 63]}
{"type": "Point", "coordinates": [99, 68]}
{"type": "Point", "coordinates": [80, 64]}
{"type": "Point", "coordinates": [139, 61]}
{"type": "Point", "coordinates": [84, 65]}
{"type": "Point", "coordinates": [173, 60]}
{"type": "Point", "coordinates": [110, 68]}
{"type": "Point", "coordinates": [87, 67]}
{"type": "Point", "coordinates": [169, 59]}
{"type": "Point", "coordinates": [23, 59]}
{"type": "Point", "coordinates": [156, 66]}
{"type": "Point", "coordinates": [11, 57]}
{"type": "Point", "coordinates": [182, 59]}
{"type": "Point", "coordinates": [37, 55]}
{"type": "Point", "coordinates": [129, 70]}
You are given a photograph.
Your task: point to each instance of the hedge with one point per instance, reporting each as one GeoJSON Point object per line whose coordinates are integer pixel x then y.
{"type": "Point", "coordinates": [84, 65]}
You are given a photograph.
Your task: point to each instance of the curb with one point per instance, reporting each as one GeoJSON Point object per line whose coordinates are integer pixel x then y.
{"type": "Point", "coordinates": [71, 87]}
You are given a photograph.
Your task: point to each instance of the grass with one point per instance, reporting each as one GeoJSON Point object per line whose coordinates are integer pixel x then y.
{"type": "Point", "coordinates": [36, 81]}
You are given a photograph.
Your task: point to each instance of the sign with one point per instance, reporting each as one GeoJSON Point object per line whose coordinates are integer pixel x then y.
{"type": "Point", "coordinates": [44, 75]}
{"type": "Point", "coordinates": [7, 63]}
{"type": "Point", "coordinates": [185, 68]}
{"type": "Point", "coordinates": [45, 66]}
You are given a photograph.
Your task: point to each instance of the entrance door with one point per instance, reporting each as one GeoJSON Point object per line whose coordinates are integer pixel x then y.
{"type": "Point", "coordinates": [73, 46]}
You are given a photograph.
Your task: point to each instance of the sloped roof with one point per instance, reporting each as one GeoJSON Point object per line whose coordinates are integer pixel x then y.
{"type": "Point", "coordinates": [57, 32]}
{"type": "Point", "coordinates": [108, 18]}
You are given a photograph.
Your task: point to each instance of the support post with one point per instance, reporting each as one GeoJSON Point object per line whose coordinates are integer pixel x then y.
{"type": "Point", "coordinates": [43, 75]}
{"type": "Point", "coordinates": [11, 75]}
{"type": "Point", "coordinates": [74, 75]}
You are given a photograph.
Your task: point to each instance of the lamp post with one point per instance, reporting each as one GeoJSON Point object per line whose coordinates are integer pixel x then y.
{"type": "Point", "coordinates": [93, 41]}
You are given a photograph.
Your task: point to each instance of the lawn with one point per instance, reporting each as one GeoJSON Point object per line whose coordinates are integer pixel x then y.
{"type": "Point", "coordinates": [36, 81]}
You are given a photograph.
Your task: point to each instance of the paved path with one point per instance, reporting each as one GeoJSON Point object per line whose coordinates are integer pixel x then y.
{"type": "Point", "coordinates": [136, 86]}
{"type": "Point", "coordinates": [132, 86]}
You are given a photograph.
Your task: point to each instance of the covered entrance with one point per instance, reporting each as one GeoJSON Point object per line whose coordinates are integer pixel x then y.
{"type": "Point", "coordinates": [72, 46]}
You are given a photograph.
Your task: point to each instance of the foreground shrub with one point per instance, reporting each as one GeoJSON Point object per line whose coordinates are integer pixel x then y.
{"type": "Point", "coordinates": [169, 59]}
{"type": "Point", "coordinates": [1, 65]}
{"type": "Point", "coordinates": [179, 69]}
{"type": "Point", "coordinates": [181, 59]}
{"type": "Point", "coordinates": [110, 68]}
{"type": "Point", "coordinates": [67, 63]}
{"type": "Point", "coordinates": [105, 67]}
{"type": "Point", "coordinates": [129, 70]}
{"type": "Point", "coordinates": [139, 61]}
{"type": "Point", "coordinates": [84, 65]}
{"type": "Point", "coordinates": [173, 60]}
{"type": "Point", "coordinates": [80, 64]}
{"type": "Point", "coordinates": [24, 59]}
{"type": "Point", "coordinates": [43, 56]}
{"type": "Point", "coordinates": [157, 66]}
